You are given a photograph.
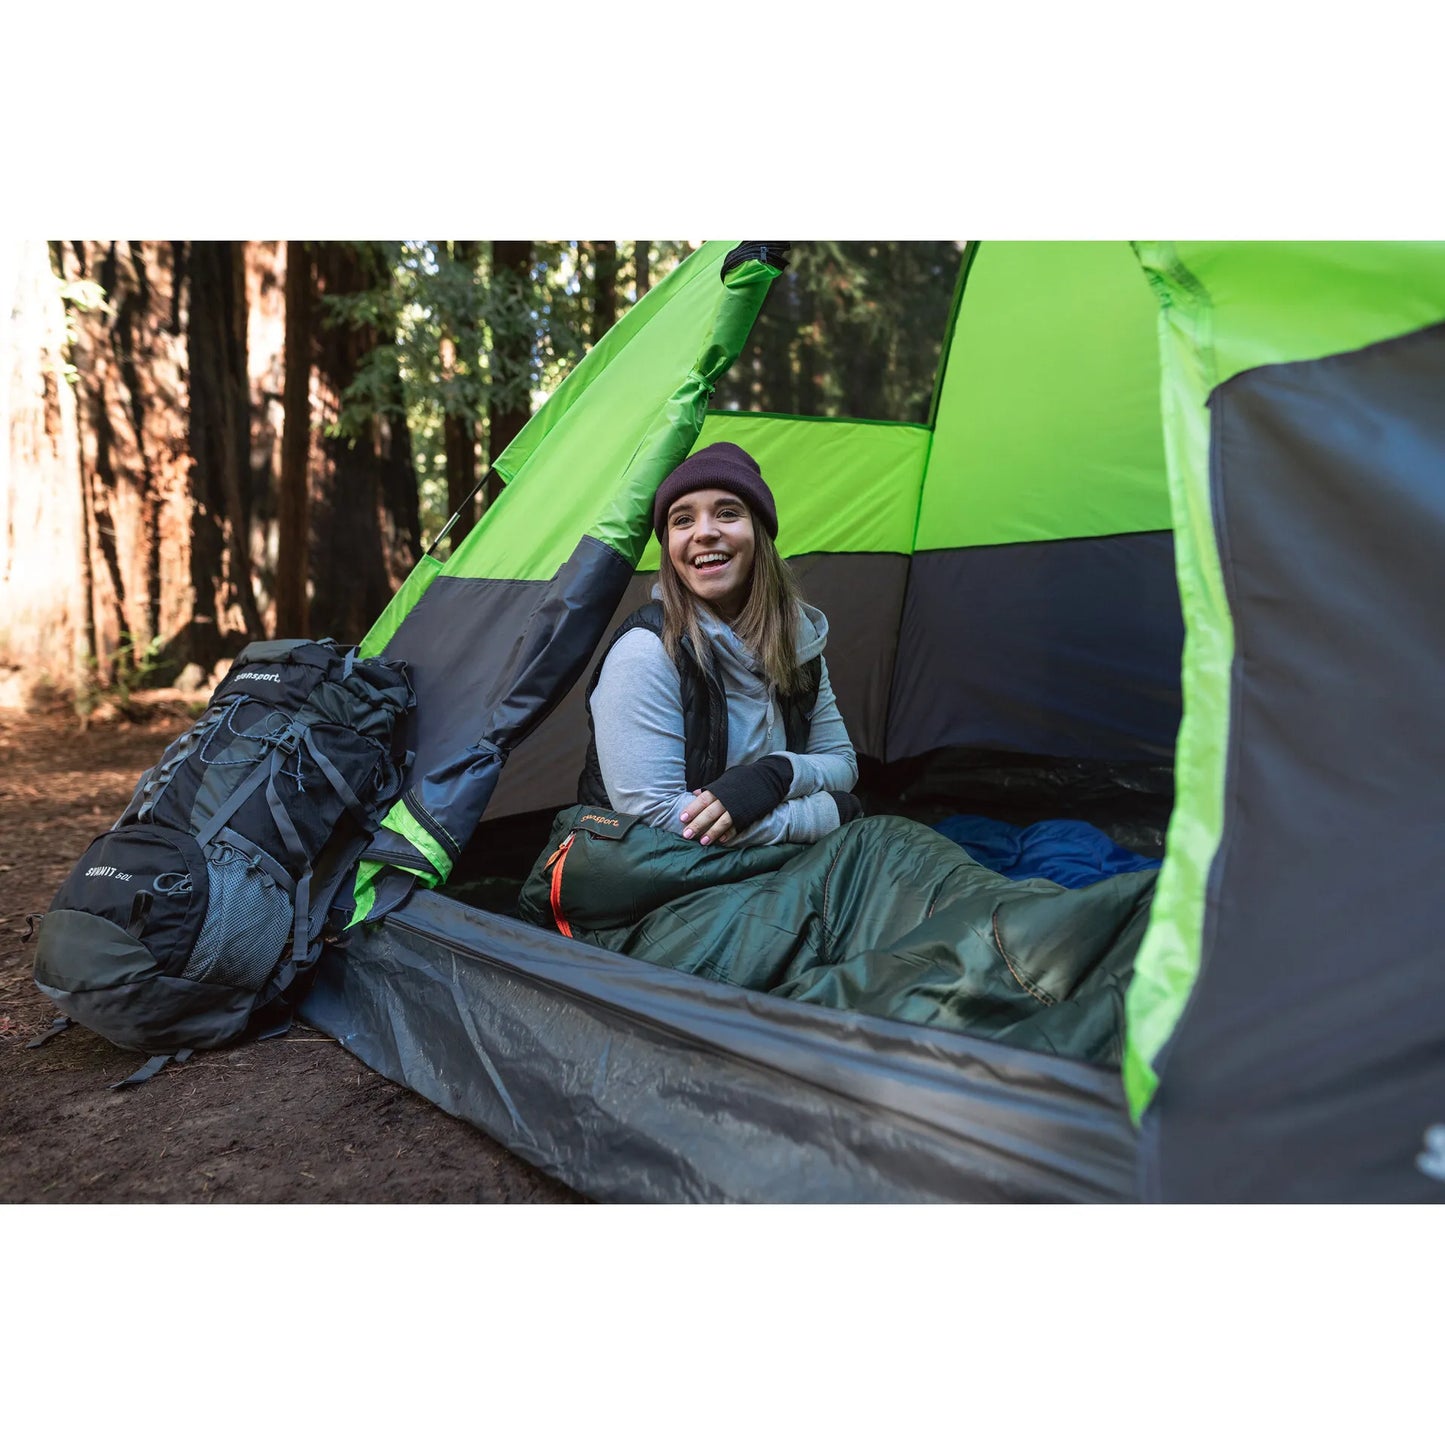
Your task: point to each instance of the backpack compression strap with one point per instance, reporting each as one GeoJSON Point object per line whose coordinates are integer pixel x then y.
{"type": "Point", "coordinates": [58, 1027]}
{"type": "Point", "coordinates": [153, 1066]}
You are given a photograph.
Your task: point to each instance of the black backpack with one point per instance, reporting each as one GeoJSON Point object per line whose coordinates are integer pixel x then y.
{"type": "Point", "coordinates": [199, 916]}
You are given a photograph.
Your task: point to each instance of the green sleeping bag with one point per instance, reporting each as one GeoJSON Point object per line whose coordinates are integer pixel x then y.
{"type": "Point", "coordinates": [884, 916]}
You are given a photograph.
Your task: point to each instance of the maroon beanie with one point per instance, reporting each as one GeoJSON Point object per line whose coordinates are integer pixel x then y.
{"type": "Point", "coordinates": [724, 465]}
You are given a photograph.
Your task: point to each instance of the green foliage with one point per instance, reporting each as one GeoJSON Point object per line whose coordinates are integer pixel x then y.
{"type": "Point", "coordinates": [84, 295]}
{"type": "Point", "coordinates": [130, 668]}
{"type": "Point", "coordinates": [445, 317]}
{"type": "Point", "coordinates": [75, 295]}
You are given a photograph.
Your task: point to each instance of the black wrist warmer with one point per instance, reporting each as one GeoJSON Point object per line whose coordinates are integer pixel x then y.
{"type": "Point", "coordinates": [848, 806]}
{"type": "Point", "coordinates": [752, 790]}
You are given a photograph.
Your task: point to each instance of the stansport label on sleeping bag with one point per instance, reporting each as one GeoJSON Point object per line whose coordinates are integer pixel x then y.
{"type": "Point", "coordinates": [604, 823]}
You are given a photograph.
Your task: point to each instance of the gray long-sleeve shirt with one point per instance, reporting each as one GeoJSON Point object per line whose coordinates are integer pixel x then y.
{"type": "Point", "coordinates": [638, 723]}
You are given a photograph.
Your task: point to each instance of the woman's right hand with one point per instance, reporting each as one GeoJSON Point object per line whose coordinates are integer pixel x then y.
{"type": "Point", "coordinates": [707, 816]}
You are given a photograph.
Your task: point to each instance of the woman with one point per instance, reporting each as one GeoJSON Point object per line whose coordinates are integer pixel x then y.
{"type": "Point", "coordinates": [712, 715]}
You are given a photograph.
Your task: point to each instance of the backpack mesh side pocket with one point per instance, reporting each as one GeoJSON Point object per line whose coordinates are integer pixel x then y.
{"type": "Point", "coordinates": [248, 920]}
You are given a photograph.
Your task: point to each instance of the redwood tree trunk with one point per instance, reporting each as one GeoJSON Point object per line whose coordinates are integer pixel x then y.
{"type": "Point", "coordinates": [508, 399]}
{"type": "Point", "coordinates": [365, 517]}
{"type": "Point", "coordinates": [460, 354]}
{"type": "Point", "coordinates": [44, 588]}
{"type": "Point", "coordinates": [160, 419]}
{"type": "Point", "coordinates": [641, 263]}
{"type": "Point", "coordinates": [293, 509]}
{"type": "Point", "coordinates": [131, 411]}
{"type": "Point", "coordinates": [220, 430]}
{"type": "Point", "coordinates": [604, 288]}
{"type": "Point", "coordinates": [266, 363]}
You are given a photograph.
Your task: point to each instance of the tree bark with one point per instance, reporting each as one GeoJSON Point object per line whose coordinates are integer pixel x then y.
{"type": "Point", "coordinates": [266, 364]}
{"type": "Point", "coordinates": [509, 403]}
{"type": "Point", "coordinates": [44, 590]}
{"type": "Point", "coordinates": [159, 417]}
{"type": "Point", "coordinates": [604, 288]}
{"type": "Point", "coordinates": [132, 401]}
{"type": "Point", "coordinates": [293, 508]}
{"type": "Point", "coordinates": [641, 265]}
{"type": "Point", "coordinates": [460, 356]}
{"type": "Point", "coordinates": [220, 428]}
{"type": "Point", "coordinates": [365, 515]}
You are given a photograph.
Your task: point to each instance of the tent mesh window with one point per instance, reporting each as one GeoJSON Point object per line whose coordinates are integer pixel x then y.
{"type": "Point", "coordinates": [850, 329]}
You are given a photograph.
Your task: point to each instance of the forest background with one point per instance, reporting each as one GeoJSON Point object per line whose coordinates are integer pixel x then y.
{"type": "Point", "coordinates": [210, 442]}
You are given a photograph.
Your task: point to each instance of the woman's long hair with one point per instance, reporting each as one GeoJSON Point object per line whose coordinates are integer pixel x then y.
{"type": "Point", "coordinates": [767, 625]}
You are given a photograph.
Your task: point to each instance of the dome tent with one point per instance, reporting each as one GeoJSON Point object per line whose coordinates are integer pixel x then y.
{"type": "Point", "coordinates": [1008, 576]}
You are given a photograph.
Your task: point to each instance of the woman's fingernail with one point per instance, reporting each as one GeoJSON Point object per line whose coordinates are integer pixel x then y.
{"type": "Point", "coordinates": [706, 839]}
{"type": "Point", "coordinates": [687, 832]}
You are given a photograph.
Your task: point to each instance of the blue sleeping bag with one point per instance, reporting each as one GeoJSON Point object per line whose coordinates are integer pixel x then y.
{"type": "Point", "coordinates": [1062, 850]}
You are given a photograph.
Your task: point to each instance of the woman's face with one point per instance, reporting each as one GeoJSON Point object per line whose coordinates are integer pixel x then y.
{"type": "Point", "coordinates": [710, 545]}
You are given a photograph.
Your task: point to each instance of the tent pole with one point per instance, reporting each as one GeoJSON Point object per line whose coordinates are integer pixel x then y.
{"type": "Point", "coordinates": [466, 501]}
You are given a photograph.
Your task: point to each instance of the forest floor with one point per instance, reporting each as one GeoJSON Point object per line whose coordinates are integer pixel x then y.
{"type": "Point", "coordinates": [289, 1119]}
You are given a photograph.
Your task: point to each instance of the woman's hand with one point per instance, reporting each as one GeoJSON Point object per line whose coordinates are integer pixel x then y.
{"type": "Point", "coordinates": [706, 815]}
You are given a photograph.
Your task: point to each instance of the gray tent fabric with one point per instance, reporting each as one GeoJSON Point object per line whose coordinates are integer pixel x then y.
{"type": "Point", "coordinates": [485, 688]}
{"type": "Point", "coordinates": [630, 1082]}
{"type": "Point", "coordinates": [1066, 647]}
{"type": "Point", "coordinates": [1308, 1063]}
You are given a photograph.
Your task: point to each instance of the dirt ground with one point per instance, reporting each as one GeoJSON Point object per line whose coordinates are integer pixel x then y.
{"type": "Point", "coordinates": [291, 1119]}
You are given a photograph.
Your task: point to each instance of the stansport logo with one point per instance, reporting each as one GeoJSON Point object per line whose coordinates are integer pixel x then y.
{"type": "Point", "coordinates": [598, 818]}
{"type": "Point", "coordinates": [257, 677]}
{"type": "Point", "coordinates": [108, 873]}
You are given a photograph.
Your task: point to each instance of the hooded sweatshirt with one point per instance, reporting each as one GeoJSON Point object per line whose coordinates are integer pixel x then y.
{"type": "Point", "coordinates": [637, 720]}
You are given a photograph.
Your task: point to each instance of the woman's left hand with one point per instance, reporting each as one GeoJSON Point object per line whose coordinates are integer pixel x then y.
{"type": "Point", "coordinates": [707, 816]}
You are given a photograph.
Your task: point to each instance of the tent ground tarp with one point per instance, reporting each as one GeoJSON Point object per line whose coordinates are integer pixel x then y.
{"type": "Point", "coordinates": [630, 1083]}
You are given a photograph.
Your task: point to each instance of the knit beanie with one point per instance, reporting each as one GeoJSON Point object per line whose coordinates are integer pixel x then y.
{"type": "Point", "coordinates": [724, 465]}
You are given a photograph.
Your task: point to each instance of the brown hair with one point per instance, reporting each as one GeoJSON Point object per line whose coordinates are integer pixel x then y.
{"type": "Point", "coordinates": [767, 625]}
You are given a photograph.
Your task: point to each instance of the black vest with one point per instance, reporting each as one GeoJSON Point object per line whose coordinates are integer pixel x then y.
{"type": "Point", "coordinates": [704, 714]}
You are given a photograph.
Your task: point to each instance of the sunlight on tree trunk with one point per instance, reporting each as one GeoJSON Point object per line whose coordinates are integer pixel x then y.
{"type": "Point", "coordinates": [266, 369]}
{"type": "Point", "coordinates": [43, 589]}
{"type": "Point", "coordinates": [132, 403]}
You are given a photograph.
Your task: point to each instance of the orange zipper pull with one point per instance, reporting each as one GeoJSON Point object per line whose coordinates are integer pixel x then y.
{"type": "Point", "coordinates": [555, 896]}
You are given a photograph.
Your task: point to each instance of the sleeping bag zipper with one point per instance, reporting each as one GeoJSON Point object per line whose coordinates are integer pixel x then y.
{"type": "Point", "coordinates": [555, 862]}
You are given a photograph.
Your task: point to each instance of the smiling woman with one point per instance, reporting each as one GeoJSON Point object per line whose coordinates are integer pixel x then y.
{"type": "Point", "coordinates": [712, 714]}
